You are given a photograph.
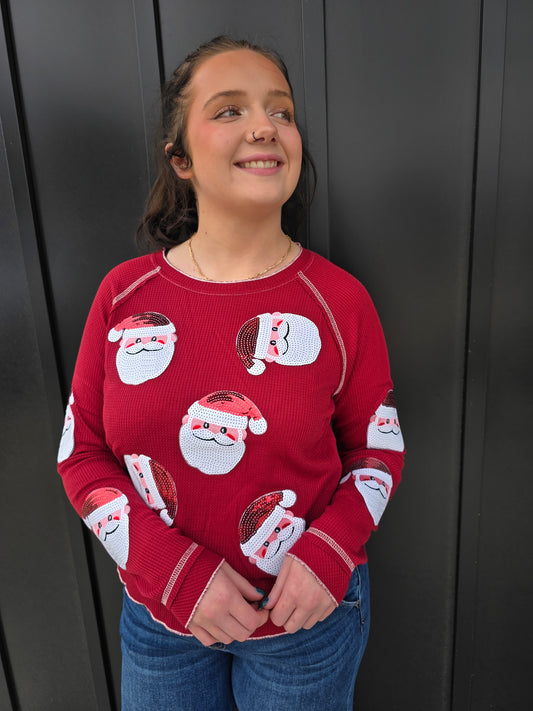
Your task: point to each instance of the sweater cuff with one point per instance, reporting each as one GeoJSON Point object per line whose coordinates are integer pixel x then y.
{"type": "Point", "coordinates": [189, 581]}
{"type": "Point", "coordinates": [327, 560]}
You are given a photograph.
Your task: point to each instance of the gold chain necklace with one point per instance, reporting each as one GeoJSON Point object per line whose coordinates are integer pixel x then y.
{"type": "Point", "coordinates": [231, 281]}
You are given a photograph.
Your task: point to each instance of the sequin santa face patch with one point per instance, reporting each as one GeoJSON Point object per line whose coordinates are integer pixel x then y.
{"type": "Point", "coordinates": [213, 432]}
{"type": "Point", "coordinates": [286, 339]}
{"type": "Point", "coordinates": [146, 346]}
{"type": "Point", "coordinates": [384, 427]}
{"type": "Point", "coordinates": [373, 481]}
{"type": "Point", "coordinates": [268, 529]}
{"type": "Point", "coordinates": [105, 511]}
{"type": "Point", "coordinates": [154, 485]}
{"type": "Point", "coordinates": [66, 445]}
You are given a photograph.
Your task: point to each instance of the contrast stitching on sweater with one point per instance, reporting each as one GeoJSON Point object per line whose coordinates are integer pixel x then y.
{"type": "Point", "coordinates": [177, 570]}
{"type": "Point", "coordinates": [135, 284]}
{"type": "Point", "coordinates": [334, 327]}
{"type": "Point", "coordinates": [340, 552]}
{"type": "Point", "coordinates": [315, 576]}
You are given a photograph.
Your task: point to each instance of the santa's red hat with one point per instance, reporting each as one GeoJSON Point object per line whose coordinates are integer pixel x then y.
{"type": "Point", "coordinates": [252, 342]}
{"type": "Point", "coordinates": [390, 400]}
{"type": "Point", "coordinates": [371, 464]}
{"type": "Point", "coordinates": [226, 408]}
{"type": "Point", "coordinates": [143, 325]}
{"type": "Point", "coordinates": [261, 518]}
{"type": "Point", "coordinates": [165, 487]}
{"type": "Point", "coordinates": [102, 503]}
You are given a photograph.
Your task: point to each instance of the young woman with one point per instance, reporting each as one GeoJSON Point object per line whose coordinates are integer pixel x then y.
{"type": "Point", "coordinates": [232, 436]}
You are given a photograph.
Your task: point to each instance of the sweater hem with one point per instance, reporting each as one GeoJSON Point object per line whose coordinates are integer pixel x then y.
{"type": "Point", "coordinates": [187, 634]}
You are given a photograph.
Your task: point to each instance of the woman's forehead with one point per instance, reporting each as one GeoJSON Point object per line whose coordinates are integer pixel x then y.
{"type": "Point", "coordinates": [237, 71]}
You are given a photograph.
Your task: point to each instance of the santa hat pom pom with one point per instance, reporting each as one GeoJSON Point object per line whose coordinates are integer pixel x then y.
{"type": "Point", "coordinates": [257, 368]}
{"type": "Point", "coordinates": [258, 426]}
{"type": "Point", "coordinates": [114, 335]}
{"type": "Point", "coordinates": [288, 499]}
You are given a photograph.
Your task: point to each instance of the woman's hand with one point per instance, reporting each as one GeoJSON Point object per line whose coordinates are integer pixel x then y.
{"type": "Point", "coordinates": [297, 599]}
{"type": "Point", "coordinates": [225, 612]}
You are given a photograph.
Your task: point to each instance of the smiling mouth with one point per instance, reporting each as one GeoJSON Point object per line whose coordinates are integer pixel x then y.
{"type": "Point", "coordinates": [144, 350]}
{"type": "Point", "coordinates": [212, 439]}
{"type": "Point", "coordinates": [259, 164]}
{"type": "Point", "coordinates": [279, 544]}
{"type": "Point", "coordinates": [110, 533]}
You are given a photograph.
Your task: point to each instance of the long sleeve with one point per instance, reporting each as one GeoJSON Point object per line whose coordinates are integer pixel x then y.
{"type": "Point", "coordinates": [370, 445]}
{"type": "Point", "coordinates": [135, 534]}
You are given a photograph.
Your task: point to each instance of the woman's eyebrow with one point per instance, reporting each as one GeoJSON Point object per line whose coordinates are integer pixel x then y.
{"type": "Point", "coordinates": [238, 93]}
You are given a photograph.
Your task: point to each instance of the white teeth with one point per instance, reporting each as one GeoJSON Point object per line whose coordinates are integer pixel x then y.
{"type": "Point", "coordinates": [260, 164]}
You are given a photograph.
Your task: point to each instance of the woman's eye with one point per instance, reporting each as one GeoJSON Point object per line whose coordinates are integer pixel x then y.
{"type": "Point", "coordinates": [228, 112]}
{"type": "Point", "coordinates": [284, 114]}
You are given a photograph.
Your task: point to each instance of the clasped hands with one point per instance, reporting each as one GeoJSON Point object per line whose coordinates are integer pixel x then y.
{"type": "Point", "coordinates": [227, 611]}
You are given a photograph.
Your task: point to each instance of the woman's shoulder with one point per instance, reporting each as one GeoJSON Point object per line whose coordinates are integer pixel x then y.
{"type": "Point", "coordinates": [131, 270]}
{"type": "Point", "coordinates": [134, 267]}
{"type": "Point", "coordinates": [332, 281]}
{"type": "Point", "coordinates": [127, 276]}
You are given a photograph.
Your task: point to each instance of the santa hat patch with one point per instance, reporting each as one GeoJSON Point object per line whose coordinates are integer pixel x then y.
{"type": "Point", "coordinates": [390, 400]}
{"type": "Point", "coordinates": [295, 340]}
{"type": "Point", "coordinates": [102, 503]}
{"type": "Point", "coordinates": [252, 342]}
{"type": "Point", "coordinates": [226, 408]}
{"type": "Point", "coordinates": [142, 325]}
{"type": "Point", "coordinates": [261, 517]}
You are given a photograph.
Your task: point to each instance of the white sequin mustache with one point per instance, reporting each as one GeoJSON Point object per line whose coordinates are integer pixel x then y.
{"type": "Point", "coordinates": [138, 347]}
{"type": "Point", "coordinates": [207, 436]}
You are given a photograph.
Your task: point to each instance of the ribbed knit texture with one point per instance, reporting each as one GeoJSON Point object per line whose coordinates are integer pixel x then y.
{"type": "Point", "coordinates": [213, 421]}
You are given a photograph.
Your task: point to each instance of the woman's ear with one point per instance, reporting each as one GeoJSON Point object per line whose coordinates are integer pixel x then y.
{"type": "Point", "coordinates": [180, 165]}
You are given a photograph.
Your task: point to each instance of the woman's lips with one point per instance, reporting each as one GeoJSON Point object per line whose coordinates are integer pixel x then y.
{"type": "Point", "coordinates": [259, 164]}
{"type": "Point", "coordinates": [264, 165]}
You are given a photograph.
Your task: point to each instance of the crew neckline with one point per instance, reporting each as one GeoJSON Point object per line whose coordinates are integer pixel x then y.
{"type": "Point", "coordinates": [266, 282]}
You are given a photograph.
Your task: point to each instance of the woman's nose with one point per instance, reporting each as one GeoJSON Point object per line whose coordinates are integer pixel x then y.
{"type": "Point", "coordinates": [262, 130]}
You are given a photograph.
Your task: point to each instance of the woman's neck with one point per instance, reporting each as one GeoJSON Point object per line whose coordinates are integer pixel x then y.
{"type": "Point", "coordinates": [234, 249]}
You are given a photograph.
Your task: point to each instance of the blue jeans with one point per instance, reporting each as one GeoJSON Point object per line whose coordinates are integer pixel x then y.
{"type": "Point", "coordinates": [312, 669]}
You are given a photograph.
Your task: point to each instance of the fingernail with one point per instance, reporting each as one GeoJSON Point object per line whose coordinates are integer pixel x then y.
{"type": "Point", "coordinates": [261, 592]}
{"type": "Point", "coordinates": [262, 602]}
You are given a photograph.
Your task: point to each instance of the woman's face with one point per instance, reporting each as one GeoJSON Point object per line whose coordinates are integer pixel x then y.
{"type": "Point", "coordinates": [233, 95]}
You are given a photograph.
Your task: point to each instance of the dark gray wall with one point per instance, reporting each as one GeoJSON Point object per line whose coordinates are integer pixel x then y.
{"type": "Point", "coordinates": [418, 115]}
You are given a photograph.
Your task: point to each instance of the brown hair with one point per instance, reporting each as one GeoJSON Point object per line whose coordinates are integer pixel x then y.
{"type": "Point", "coordinates": [170, 214]}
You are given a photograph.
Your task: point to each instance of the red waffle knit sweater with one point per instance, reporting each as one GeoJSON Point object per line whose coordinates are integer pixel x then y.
{"type": "Point", "coordinates": [230, 421]}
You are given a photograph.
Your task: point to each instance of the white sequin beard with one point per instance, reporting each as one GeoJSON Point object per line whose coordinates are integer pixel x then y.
{"type": "Point", "coordinates": [117, 544]}
{"type": "Point", "coordinates": [377, 439]}
{"type": "Point", "coordinates": [273, 565]}
{"type": "Point", "coordinates": [136, 368]}
{"type": "Point", "coordinates": [207, 455]}
{"type": "Point", "coordinates": [66, 446]}
{"type": "Point", "coordinates": [375, 496]}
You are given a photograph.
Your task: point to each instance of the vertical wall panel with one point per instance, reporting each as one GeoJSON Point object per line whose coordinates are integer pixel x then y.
{"type": "Point", "coordinates": [402, 89]}
{"type": "Point", "coordinates": [501, 617]}
{"type": "Point", "coordinates": [87, 108]}
{"type": "Point", "coordinates": [184, 26]}
{"type": "Point", "coordinates": [84, 109]}
{"type": "Point", "coordinates": [46, 645]}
